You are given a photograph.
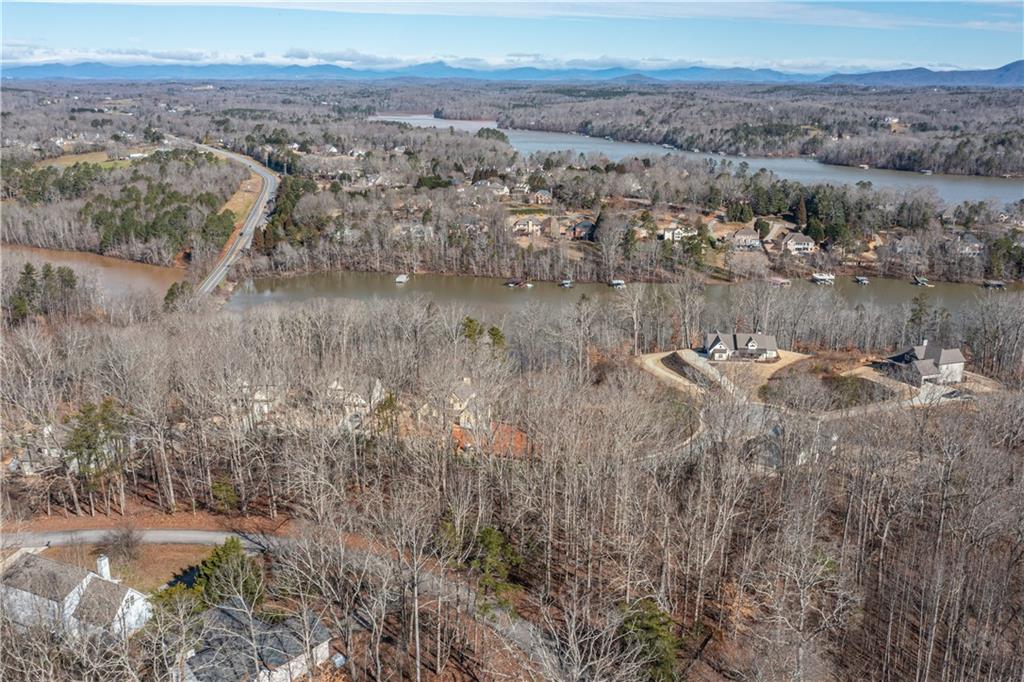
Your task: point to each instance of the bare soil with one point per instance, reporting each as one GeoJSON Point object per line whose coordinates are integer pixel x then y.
{"type": "Point", "coordinates": [751, 376]}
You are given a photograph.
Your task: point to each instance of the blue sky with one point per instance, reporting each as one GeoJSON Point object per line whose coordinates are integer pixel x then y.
{"type": "Point", "coordinates": [794, 36]}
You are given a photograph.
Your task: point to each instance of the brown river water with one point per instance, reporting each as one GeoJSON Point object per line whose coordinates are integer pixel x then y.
{"type": "Point", "coordinates": [491, 296]}
{"type": "Point", "coordinates": [482, 295]}
{"type": "Point", "coordinates": [112, 276]}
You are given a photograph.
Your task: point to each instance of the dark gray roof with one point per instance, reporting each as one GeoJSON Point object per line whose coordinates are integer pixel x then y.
{"type": "Point", "coordinates": [227, 654]}
{"type": "Point", "coordinates": [928, 351]}
{"type": "Point", "coordinates": [739, 341]}
{"type": "Point", "coordinates": [926, 368]}
{"type": "Point", "coordinates": [100, 602]}
{"type": "Point", "coordinates": [43, 577]}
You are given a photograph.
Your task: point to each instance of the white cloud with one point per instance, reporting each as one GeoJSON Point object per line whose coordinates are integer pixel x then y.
{"type": "Point", "coordinates": [998, 15]}
{"type": "Point", "coordinates": [23, 53]}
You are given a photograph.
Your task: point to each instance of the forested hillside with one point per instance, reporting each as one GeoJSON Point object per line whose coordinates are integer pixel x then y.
{"type": "Point", "coordinates": [882, 548]}
{"type": "Point", "coordinates": [147, 211]}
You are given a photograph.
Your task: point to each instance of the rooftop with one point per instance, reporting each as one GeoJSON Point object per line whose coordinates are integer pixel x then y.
{"type": "Point", "coordinates": [101, 602]}
{"type": "Point", "coordinates": [227, 651]}
{"type": "Point", "coordinates": [42, 577]}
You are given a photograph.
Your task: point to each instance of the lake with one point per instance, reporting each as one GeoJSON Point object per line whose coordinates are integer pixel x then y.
{"type": "Point", "coordinates": [484, 296]}
{"type": "Point", "coordinates": [113, 277]}
{"type": "Point", "coordinates": [952, 189]}
{"type": "Point", "coordinates": [489, 297]}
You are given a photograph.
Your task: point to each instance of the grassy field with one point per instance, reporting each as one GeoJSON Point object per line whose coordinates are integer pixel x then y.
{"type": "Point", "coordinates": [154, 567]}
{"type": "Point", "coordinates": [99, 158]}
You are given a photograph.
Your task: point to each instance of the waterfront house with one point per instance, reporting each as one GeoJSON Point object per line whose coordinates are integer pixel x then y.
{"type": "Point", "coordinates": [797, 242]}
{"type": "Point", "coordinates": [37, 591]}
{"type": "Point", "coordinates": [908, 246]}
{"type": "Point", "coordinates": [254, 403]}
{"type": "Point", "coordinates": [355, 408]}
{"type": "Point", "coordinates": [928, 362]}
{"type": "Point", "coordinates": [740, 346]}
{"type": "Point", "coordinates": [461, 406]}
{"type": "Point", "coordinates": [969, 245]}
{"type": "Point", "coordinates": [677, 233]}
{"type": "Point", "coordinates": [747, 238]}
{"type": "Point", "coordinates": [496, 188]}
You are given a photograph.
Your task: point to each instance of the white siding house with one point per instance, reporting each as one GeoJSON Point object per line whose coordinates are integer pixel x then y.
{"type": "Point", "coordinates": [35, 590]}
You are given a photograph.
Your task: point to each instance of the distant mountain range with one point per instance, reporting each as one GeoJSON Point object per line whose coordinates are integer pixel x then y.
{"type": "Point", "coordinates": [1011, 75]}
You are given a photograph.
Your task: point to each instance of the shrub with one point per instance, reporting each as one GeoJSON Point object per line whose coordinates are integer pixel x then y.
{"type": "Point", "coordinates": [121, 545]}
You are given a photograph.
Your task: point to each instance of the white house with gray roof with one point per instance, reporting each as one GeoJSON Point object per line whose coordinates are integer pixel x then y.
{"type": "Point", "coordinates": [740, 346]}
{"type": "Point", "coordinates": [797, 242]}
{"type": "Point", "coordinates": [929, 362]}
{"type": "Point", "coordinates": [35, 590]}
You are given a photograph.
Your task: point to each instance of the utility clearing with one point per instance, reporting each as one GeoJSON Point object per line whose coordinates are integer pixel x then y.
{"type": "Point", "coordinates": [240, 204]}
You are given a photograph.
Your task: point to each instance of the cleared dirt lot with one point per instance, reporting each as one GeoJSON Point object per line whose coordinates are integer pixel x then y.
{"type": "Point", "coordinates": [666, 367]}
{"type": "Point", "coordinates": [751, 376]}
{"type": "Point", "coordinates": [901, 390]}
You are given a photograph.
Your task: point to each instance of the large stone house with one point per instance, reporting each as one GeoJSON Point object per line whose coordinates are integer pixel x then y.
{"type": "Point", "coordinates": [739, 346]}
{"type": "Point", "coordinates": [35, 591]}
{"type": "Point", "coordinates": [928, 362]}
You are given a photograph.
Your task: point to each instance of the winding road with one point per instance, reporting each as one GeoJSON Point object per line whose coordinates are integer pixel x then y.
{"type": "Point", "coordinates": [532, 641]}
{"type": "Point", "coordinates": [256, 217]}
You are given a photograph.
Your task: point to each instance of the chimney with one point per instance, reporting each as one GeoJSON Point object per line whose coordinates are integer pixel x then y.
{"type": "Point", "coordinates": [103, 566]}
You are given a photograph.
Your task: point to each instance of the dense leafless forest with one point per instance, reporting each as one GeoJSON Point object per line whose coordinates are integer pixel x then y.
{"type": "Point", "coordinates": [964, 131]}
{"type": "Point", "coordinates": [882, 547]}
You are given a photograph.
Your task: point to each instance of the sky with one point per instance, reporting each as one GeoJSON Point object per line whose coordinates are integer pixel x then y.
{"type": "Point", "coordinates": [809, 36]}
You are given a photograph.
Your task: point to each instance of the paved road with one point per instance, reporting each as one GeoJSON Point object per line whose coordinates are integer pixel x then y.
{"type": "Point", "coordinates": [165, 537]}
{"type": "Point", "coordinates": [758, 416]}
{"type": "Point", "coordinates": [252, 221]}
{"type": "Point", "coordinates": [525, 635]}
